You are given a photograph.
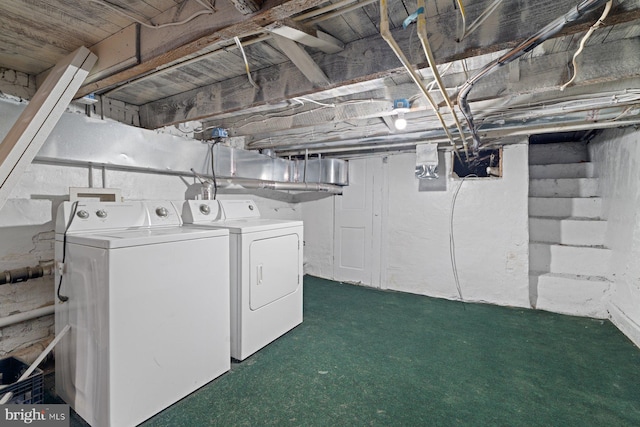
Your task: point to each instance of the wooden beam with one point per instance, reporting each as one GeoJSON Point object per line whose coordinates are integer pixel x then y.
{"type": "Point", "coordinates": [306, 35]}
{"type": "Point", "coordinates": [363, 60]}
{"type": "Point", "coordinates": [540, 76]}
{"type": "Point", "coordinates": [247, 7]}
{"type": "Point", "coordinates": [302, 60]}
{"type": "Point", "coordinates": [25, 138]}
{"type": "Point", "coordinates": [116, 53]}
{"type": "Point", "coordinates": [161, 48]}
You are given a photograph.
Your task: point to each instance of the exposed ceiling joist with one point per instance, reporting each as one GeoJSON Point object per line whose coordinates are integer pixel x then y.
{"type": "Point", "coordinates": [247, 7]}
{"type": "Point", "coordinates": [362, 60]}
{"type": "Point", "coordinates": [165, 46]}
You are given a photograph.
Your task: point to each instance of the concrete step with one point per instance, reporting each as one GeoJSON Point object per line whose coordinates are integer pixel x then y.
{"type": "Point", "coordinates": [560, 152]}
{"type": "Point", "coordinates": [579, 260]}
{"type": "Point", "coordinates": [565, 207]}
{"type": "Point", "coordinates": [569, 294]}
{"type": "Point", "coordinates": [567, 231]}
{"type": "Point", "coordinates": [566, 187]}
{"type": "Point", "coordinates": [570, 170]}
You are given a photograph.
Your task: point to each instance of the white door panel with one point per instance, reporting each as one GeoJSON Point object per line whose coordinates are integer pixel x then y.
{"type": "Point", "coordinates": [357, 233]}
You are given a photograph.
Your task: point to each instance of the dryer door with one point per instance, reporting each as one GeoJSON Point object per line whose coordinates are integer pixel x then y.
{"type": "Point", "coordinates": [274, 266]}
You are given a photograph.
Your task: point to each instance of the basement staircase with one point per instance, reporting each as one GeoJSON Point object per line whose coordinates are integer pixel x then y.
{"type": "Point", "coordinates": [568, 262]}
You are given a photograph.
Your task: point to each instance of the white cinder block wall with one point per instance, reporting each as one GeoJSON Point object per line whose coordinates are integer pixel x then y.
{"type": "Point", "coordinates": [490, 231]}
{"type": "Point", "coordinates": [27, 223]}
{"type": "Point", "coordinates": [616, 154]}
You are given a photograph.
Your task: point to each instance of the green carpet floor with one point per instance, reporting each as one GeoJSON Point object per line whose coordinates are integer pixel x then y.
{"type": "Point", "coordinates": [375, 358]}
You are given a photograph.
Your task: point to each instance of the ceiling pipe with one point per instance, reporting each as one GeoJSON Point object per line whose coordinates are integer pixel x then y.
{"type": "Point", "coordinates": [280, 186]}
{"type": "Point", "coordinates": [422, 35]}
{"type": "Point", "coordinates": [386, 35]}
{"type": "Point", "coordinates": [503, 131]}
{"type": "Point", "coordinates": [545, 33]}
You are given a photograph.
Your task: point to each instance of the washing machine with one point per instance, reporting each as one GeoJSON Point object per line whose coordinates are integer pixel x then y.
{"type": "Point", "coordinates": [265, 266]}
{"type": "Point", "coordinates": [148, 306]}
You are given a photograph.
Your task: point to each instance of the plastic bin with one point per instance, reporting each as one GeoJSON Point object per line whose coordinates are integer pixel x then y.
{"type": "Point", "coordinates": [29, 391]}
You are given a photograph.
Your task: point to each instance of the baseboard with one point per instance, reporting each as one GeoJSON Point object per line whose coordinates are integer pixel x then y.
{"type": "Point", "coordinates": [623, 322]}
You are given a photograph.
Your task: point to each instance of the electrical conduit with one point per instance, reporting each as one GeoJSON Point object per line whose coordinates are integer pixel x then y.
{"type": "Point", "coordinates": [422, 35]}
{"type": "Point", "coordinates": [529, 44]}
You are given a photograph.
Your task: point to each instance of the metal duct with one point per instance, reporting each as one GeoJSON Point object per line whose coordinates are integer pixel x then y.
{"type": "Point", "coordinates": [78, 139]}
{"type": "Point", "coordinates": [545, 33]}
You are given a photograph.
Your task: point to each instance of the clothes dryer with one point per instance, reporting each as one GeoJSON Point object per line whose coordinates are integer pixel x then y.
{"type": "Point", "coordinates": [265, 267]}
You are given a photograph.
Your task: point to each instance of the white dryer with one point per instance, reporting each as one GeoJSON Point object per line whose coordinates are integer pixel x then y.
{"type": "Point", "coordinates": [148, 307]}
{"type": "Point", "coordinates": [266, 270]}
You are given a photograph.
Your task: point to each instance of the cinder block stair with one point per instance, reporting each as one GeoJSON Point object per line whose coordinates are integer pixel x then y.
{"type": "Point", "coordinates": [564, 187]}
{"type": "Point", "coordinates": [556, 292]}
{"type": "Point", "coordinates": [567, 231]}
{"type": "Point", "coordinates": [569, 259]}
{"type": "Point", "coordinates": [568, 262]}
{"type": "Point", "coordinates": [559, 153]}
{"type": "Point", "coordinates": [565, 207]}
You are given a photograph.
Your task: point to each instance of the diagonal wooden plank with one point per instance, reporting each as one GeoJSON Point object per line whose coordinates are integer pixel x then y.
{"type": "Point", "coordinates": [163, 55]}
{"type": "Point", "coordinates": [302, 60]}
{"type": "Point", "coordinates": [25, 138]}
{"type": "Point", "coordinates": [305, 35]}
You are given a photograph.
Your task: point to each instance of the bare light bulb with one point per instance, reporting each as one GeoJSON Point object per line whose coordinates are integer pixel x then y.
{"type": "Point", "coordinates": [401, 122]}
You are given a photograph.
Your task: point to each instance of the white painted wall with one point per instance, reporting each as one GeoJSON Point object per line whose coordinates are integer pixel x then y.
{"type": "Point", "coordinates": [318, 236]}
{"type": "Point", "coordinates": [490, 232]}
{"type": "Point", "coordinates": [616, 154]}
{"type": "Point", "coordinates": [27, 220]}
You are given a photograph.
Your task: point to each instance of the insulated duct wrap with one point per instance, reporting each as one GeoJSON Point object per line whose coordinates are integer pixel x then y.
{"type": "Point", "coordinates": [427, 161]}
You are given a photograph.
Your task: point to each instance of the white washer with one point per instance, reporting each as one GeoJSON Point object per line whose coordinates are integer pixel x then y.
{"type": "Point", "coordinates": [266, 270]}
{"type": "Point", "coordinates": [148, 306]}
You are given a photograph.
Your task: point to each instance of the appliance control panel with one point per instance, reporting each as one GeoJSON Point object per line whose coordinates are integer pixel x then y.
{"type": "Point", "coordinates": [200, 211]}
{"type": "Point", "coordinates": [237, 209]}
{"type": "Point", "coordinates": [95, 215]}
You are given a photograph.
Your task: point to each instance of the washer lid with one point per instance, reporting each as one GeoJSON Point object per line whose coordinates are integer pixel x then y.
{"type": "Point", "coordinates": [139, 237]}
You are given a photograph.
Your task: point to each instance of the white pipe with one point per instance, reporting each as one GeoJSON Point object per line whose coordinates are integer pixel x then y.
{"type": "Point", "coordinates": [281, 186]}
{"type": "Point", "coordinates": [422, 35]}
{"type": "Point", "coordinates": [419, 138]}
{"type": "Point", "coordinates": [336, 9]}
{"type": "Point", "coordinates": [27, 315]}
{"type": "Point", "coordinates": [386, 35]}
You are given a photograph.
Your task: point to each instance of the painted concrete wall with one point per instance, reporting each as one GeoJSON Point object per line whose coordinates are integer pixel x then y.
{"type": "Point", "coordinates": [490, 233]}
{"type": "Point", "coordinates": [318, 236]}
{"type": "Point", "coordinates": [27, 220]}
{"type": "Point", "coordinates": [490, 230]}
{"type": "Point", "coordinates": [616, 154]}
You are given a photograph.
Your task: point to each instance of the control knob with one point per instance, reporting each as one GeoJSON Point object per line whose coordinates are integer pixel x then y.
{"type": "Point", "coordinates": [162, 212]}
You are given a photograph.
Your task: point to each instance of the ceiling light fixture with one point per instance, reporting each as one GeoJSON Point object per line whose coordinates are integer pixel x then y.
{"type": "Point", "coordinates": [401, 106]}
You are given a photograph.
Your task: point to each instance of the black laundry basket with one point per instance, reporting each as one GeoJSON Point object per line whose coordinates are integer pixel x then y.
{"type": "Point", "coordinates": [29, 391]}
